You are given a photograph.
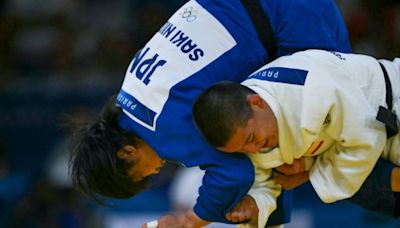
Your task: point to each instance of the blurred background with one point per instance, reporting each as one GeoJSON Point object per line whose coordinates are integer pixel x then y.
{"type": "Point", "coordinates": [59, 62]}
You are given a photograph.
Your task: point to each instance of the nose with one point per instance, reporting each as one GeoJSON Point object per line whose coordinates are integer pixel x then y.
{"type": "Point", "coordinates": [158, 168]}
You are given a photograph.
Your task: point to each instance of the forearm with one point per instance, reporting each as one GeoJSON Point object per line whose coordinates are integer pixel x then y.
{"type": "Point", "coordinates": [395, 179]}
{"type": "Point", "coordinates": [188, 219]}
{"type": "Point", "coordinates": [193, 220]}
{"type": "Point", "coordinates": [265, 192]}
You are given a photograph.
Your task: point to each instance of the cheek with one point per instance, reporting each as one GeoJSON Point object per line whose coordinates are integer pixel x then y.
{"type": "Point", "coordinates": [262, 135]}
{"type": "Point", "coordinates": [152, 164]}
{"type": "Point", "coordinates": [155, 163]}
{"type": "Point", "coordinates": [149, 170]}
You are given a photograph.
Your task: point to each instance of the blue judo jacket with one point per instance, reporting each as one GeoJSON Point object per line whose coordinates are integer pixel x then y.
{"type": "Point", "coordinates": [204, 42]}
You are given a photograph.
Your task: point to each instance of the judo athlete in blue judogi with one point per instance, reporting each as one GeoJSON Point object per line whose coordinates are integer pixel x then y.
{"type": "Point", "coordinates": [203, 43]}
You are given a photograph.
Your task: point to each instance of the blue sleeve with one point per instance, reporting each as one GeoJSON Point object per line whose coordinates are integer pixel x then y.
{"type": "Point", "coordinates": [307, 24]}
{"type": "Point", "coordinates": [376, 193]}
{"type": "Point", "coordinates": [220, 190]}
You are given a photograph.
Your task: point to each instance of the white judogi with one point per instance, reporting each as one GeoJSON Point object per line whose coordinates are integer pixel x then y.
{"type": "Point", "coordinates": [329, 109]}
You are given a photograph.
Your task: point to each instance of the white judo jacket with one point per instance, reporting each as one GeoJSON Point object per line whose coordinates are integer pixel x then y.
{"type": "Point", "coordinates": [325, 104]}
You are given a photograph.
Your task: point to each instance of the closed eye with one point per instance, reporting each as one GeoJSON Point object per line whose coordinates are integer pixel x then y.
{"type": "Point", "coordinates": [249, 139]}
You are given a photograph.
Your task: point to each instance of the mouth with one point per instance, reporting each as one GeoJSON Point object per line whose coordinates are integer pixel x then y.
{"type": "Point", "coordinates": [267, 147]}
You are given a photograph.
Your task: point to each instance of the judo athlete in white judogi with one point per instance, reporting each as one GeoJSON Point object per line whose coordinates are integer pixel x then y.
{"type": "Point", "coordinates": [310, 104]}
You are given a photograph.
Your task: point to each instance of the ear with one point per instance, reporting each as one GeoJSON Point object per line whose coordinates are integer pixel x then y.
{"type": "Point", "coordinates": [254, 100]}
{"type": "Point", "coordinates": [129, 153]}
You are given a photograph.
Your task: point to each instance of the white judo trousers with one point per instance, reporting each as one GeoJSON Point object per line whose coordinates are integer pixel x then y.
{"type": "Point", "coordinates": [330, 116]}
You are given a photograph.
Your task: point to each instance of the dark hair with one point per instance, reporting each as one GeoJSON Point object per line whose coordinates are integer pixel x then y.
{"type": "Point", "coordinates": [94, 166]}
{"type": "Point", "coordinates": [220, 109]}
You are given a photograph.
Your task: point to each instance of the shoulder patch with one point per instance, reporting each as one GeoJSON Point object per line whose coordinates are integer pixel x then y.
{"type": "Point", "coordinates": [281, 74]}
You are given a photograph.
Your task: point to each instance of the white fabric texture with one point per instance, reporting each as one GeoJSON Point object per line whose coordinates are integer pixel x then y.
{"type": "Point", "coordinates": [332, 117]}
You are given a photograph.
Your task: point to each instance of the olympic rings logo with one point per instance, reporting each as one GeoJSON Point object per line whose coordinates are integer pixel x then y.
{"type": "Point", "coordinates": [189, 14]}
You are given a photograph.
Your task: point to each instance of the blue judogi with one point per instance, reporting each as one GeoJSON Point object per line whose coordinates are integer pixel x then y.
{"type": "Point", "coordinates": [204, 42]}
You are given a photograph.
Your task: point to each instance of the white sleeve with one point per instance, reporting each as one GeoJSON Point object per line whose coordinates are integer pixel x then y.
{"type": "Point", "coordinates": [339, 172]}
{"type": "Point", "coordinates": [309, 162]}
{"type": "Point", "coordinates": [264, 191]}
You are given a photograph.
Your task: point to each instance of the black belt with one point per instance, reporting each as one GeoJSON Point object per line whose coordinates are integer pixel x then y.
{"type": "Point", "coordinates": [263, 26]}
{"type": "Point", "coordinates": [386, 115]}
{"type": "Point", "coordinates": [389, 118]}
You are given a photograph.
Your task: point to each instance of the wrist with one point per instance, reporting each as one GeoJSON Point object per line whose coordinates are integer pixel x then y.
{"type": "Point", "coordinates": [395, 179]}
{"type": "Point", "coordinates": [190, 219]}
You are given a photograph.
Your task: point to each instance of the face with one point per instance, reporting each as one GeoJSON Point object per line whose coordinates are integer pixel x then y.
{"type": "Point", "coordinates": [260, 134]}
{"type": "Point", "coordinates": [147, 161]}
